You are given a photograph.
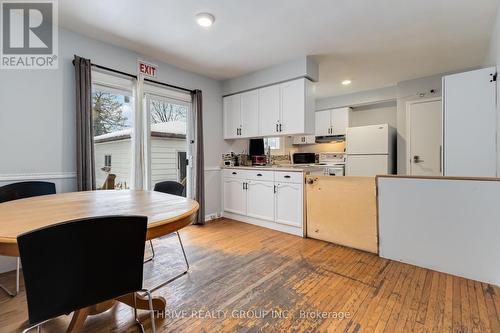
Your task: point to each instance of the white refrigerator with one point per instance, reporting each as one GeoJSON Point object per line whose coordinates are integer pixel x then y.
{"type": "Point", "coordinates": [370, 150]}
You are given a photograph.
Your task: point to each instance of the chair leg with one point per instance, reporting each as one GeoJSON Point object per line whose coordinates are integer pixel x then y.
{"type": "Point", "coordinates": [10, 293]}
{"type": "Point", "coordinates": [151, 311]}
{"type": "Point", "coordinates": [178, 275]}
{"type": "Point", "coordinates": [152, 250]}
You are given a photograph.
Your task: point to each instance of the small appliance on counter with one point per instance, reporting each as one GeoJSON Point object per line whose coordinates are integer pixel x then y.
{"type": "Point", "coordinates": [256, 151]}
{"type": "Point", "coordinates": [304, 158]}
{"type": "Point", "coordinates": [229, 160]}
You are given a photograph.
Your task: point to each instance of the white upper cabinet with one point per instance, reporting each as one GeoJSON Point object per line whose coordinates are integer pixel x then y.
{"type": "Point", "coordinates": [323, 123]}
{"type": "Point", "coordinates": [293, 97]}
{"type": "Point", "coordinates": [232, 116]}
{"type": "Point", "coordinates": [332, 122]}
{"type": "Point", "coordinates": [281, 109]}
{"type": "Point", "coordinates": [250, 114]}
{"type": "Point", "coordinates": [269, 110]}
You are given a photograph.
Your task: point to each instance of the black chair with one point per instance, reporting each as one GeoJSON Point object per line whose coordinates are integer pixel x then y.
{"type": "Point", "coordinates": [174, 188]}
{"type": "Point", "coordinates": [76, 264]}
{"type": "Point", "coordinates": [23, 190]}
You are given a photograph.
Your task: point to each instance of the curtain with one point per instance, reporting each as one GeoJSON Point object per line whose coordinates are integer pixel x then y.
{"type": "Point", "coordinates": [199, 181]}
{"type": "Point", "coordinates": [84, 128]}
{"type": "Point", "coordinates": [139, 141]}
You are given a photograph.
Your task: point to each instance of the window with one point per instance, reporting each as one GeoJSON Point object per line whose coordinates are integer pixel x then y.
{"type": "Point", "coordinates": [273, 143]}
{"type": "Point", "coordinates": [113, 114]}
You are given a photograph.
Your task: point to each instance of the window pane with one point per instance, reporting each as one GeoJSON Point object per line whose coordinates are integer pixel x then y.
{"type": "Point", "coordinates": [168, 140]}
{"type": "Point", "coordinates": [112, 120]}
{"type": "Point", "coordinates": [273, 143]}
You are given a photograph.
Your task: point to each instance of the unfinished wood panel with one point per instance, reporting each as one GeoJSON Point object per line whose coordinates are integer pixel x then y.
{"type": "Point", "coordinates": [343, 210]}
{"type": "Point", "coordinates": [241, 267]}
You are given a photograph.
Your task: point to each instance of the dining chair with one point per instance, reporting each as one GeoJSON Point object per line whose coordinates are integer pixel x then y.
{"type": "Point", "coordinates": [174, 188]}
{"type": "Point", "coordinates": [23, 190]}
{"type": "Point", "coordinates": [76, 264]}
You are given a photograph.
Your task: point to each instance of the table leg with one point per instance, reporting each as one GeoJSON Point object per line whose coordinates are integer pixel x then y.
{"type": "Point", "coordinates": [159, 303]}
{"type": "Point", "coordinates": [78, 319]}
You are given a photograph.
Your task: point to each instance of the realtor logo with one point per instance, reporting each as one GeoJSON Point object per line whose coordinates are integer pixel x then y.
{"type": "Point", "coordinates": [29, 34]}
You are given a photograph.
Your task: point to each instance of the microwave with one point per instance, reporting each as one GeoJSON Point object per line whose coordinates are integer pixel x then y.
{"type": "Point", "coordinates": [304, 158]}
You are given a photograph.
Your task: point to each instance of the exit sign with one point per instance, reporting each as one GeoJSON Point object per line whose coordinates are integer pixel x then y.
{"type": "Point", "coordinates": [146, 68]}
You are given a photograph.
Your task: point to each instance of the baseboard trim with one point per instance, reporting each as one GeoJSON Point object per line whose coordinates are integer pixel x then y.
{"type": "Point", "coordinates": [266, 224]}
{"type": "Point", "coordinates": [213, 216]}
{"type": "Point", "coordinates": [37, 176]}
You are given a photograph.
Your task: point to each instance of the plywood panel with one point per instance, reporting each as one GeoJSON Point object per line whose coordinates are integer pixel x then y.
{"type": "Point", "coordinates": [343, 210]}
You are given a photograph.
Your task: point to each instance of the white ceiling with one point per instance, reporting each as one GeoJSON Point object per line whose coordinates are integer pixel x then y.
{"type": "Point", "coordinates": [375, 43]}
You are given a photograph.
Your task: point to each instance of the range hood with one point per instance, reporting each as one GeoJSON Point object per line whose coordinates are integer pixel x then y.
{"type": "Point", "coordinates": [330, 138]}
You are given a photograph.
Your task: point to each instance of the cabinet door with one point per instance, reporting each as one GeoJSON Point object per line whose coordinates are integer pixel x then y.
{"type": "Point", "coordinates": [234, 196]}
{"type": "Point", "coordinates": [250, 114]}
{"type": "Point", "coordinates": [260, 203]}
{"type": "Point", "coordinates": [310, 139]}
{"type": "Point", "coordinates": [323, 122]}
{"type": "Point", "coordinates": [292, 107]}
{"type": "Point", "coordinates": [299, 140]}
{"type": "Point", "coordinates": [269, 110]}
{"type": "Point", "coordinates": [289, 204]}
{"type": "Point", "coordinates": [340, 121]}
{"type": "Point", "coordinates": [232, 116]}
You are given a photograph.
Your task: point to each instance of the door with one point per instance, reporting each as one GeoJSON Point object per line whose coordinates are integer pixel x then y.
{"type": "Point", "coordinates": [288, 203]}
{"type": "Point", "coordinates": [469, 119]}
{"type": "Point", "coordinates": [367, 165]}
{"type": "Point", "coordinates": [340, 121]}
{"type": "Point", "coordinates": [250, 114]}
{"type": "Point", "coordinates": [232, 116]}
{"type": "Point", "coordinates": [260, 200]}
{"type": "Point", "coordinates": [234, 196]}
{"type": "Point", "coordinates": [269, 110]}
{"type": "Point", "coordinates": [292, 107]}
{"type": "Point", "coordinates": [368, 139]}
{"type": "Point", "coordinates": [424, 119]}
{"type": "Point", "coordinates": [323, 122]}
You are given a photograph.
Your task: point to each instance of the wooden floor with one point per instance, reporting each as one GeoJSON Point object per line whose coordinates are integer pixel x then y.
{"type": "Point", "coordinates": [247, 279]}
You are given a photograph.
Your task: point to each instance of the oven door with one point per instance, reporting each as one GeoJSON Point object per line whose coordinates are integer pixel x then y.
{"type": "Point", "coordinates": [335, 171]}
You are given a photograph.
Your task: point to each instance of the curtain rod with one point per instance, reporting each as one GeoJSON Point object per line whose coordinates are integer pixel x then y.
{"type": "Point", "coordinates": [135, 77]}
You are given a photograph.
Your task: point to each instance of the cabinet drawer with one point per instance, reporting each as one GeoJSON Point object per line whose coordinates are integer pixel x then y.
{"type": "Point", "coordinates": [260, 175]}
{"type": "Point", "coordinates": [235, 173]}
{"type": "Point", "coordinates": [288, 177]}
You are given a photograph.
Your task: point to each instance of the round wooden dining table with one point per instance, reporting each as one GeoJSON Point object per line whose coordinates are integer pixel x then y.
{"type": "Point", "coordinates": [166, 214]}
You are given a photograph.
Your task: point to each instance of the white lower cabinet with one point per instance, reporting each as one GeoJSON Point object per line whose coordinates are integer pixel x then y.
{"type": "Point", "coordinates": [285, 211]}
{"type": "Point", "coordinates": [260, 197]}
{"type": "Point", "coordinates": [266, 198]}
{"type": "Point", "coordinates": [235, 196]}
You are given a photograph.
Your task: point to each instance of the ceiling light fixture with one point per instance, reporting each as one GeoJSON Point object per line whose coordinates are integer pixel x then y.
{"type": "Point", "coordinates": [346, 82]}
{"type": "Point", "coordinates": [205, 19]}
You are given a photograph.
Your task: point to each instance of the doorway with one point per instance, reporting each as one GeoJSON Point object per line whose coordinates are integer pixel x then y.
{"type": "Point", "coordinates": [424, 137]}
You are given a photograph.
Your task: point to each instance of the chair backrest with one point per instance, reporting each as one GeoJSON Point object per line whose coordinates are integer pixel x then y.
{"type": "Point", "coordinates": [75, 264]}
{"type": "Point", "coordinates": [25, 190]}
{"type": "Point", "coordinates": [170, 187]}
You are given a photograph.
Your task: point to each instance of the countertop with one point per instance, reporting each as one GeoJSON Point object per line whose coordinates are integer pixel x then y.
{"type": "Point", "coordinates": [291, 168]}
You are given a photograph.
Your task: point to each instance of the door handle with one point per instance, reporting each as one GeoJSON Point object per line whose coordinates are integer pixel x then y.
{"type": "Point", "coordinates": [416, 159]}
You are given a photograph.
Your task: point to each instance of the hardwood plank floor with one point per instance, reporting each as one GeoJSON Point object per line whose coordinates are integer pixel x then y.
{"type": "Point", "coordinates": [240, 271]}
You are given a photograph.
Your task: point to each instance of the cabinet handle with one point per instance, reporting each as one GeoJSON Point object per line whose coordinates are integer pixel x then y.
{"type": "Point", "coordinates": [287, 176]}
{"type": "Point", "coordinates": [276, 127]}
{"type": "Point", "coordinates": [234, 173]}
{"type": "Point", "coordinates": [259, 175]}
{"type": "Point", "coordinates": [275, 188]}
{"type": "Point", "coordinates": [280, 128]}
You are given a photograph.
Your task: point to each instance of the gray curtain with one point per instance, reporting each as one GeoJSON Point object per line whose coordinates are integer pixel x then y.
{"type": "Point", "coordinates": [199, 181]}
{"type": "Point", "coordinates": [85, 170]}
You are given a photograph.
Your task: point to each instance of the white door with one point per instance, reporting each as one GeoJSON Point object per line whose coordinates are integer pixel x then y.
{"type": "Point", "coordinates": [367, 165]}
{"type": "Point", "coordinates": [269, 110]}
{"type": "Point", "coordinates": [292, 107]}
{"type": "Point", "coordinates": [250, 114]}
{"type": "Point", "coordinates": [373, 139]}
{"type": "Point", "coordinates": [234, 196]}
{"type": "Point", "coordinates": [289, 204]}
{"type": "Point", "coordinates": [424, 120]}
{"type": "Point", "coordinates": [260, 203]}
{"type": "Point", "coordinates": [232, 116]}
{"type": "Point", "coordinates": [340, 121]}
{"type": "Point", "coordinates": [470, 123]}
{"type": "Point", "coordinates": [323, 122]}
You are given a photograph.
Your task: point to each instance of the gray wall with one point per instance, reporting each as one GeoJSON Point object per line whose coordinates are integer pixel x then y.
{"type": "Point", "coordinates": [37, 114]}
{"type": "Point", "coordinates": [383, 113]}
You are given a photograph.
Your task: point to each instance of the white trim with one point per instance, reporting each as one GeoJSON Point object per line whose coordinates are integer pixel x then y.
{"type": "Point", "coordinates": [212, 169]}
{"type": "Point", "coordinates": [37, 176]}
{"type": "Point", "coordinates": [211, 217]}
{"type": "Point", "coordinates": [297, 231]}
{"type": "Point", "coordinates": [408, 130]}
